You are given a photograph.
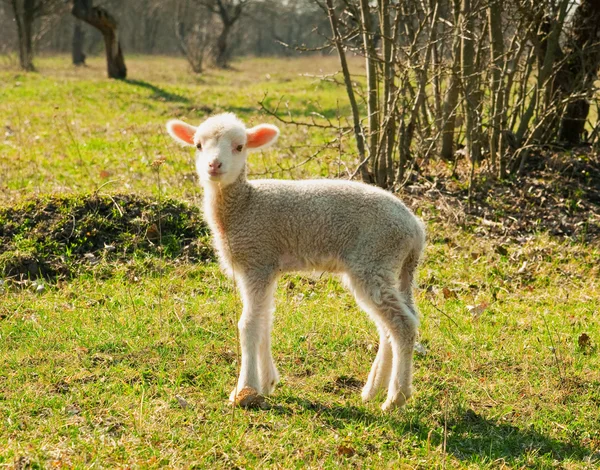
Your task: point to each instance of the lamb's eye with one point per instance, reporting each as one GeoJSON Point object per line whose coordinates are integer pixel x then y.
{"type": "Point", "coordinates": [239, 148]}
{"type": "Point", "coordinates": [199, 146]}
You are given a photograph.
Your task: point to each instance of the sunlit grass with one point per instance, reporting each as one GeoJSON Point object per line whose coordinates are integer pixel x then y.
{"type": "Point", "coordinates": [131, 364]}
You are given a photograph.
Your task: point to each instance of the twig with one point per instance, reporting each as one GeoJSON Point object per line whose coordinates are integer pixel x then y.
{"type": "Point", "coordinates": [313, 123]}
{"type": "Point", "coordinates": [554, 350]}
{"type": "Point", "coordinates": [445, 430]}
{"type": "Point", "coordinates": [443, 313]}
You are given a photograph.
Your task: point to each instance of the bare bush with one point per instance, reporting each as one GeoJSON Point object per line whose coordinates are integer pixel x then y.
{"type": "Point", "coordinates": [487, 80]}
{"type": "Point", "coordinates": [193, 25]}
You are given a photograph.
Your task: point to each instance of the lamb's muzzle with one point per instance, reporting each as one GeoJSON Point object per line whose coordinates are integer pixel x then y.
{"type": "Point", "coordinates": [263, 228]}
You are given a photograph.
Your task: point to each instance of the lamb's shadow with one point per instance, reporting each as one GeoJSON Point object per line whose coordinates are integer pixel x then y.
{"type": "Point", "coordinates": [470, 437]}
{"type": "Point", "coordinates": [159, 93]}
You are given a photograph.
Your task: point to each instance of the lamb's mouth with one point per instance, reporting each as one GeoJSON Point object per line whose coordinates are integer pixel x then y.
{"type": "Point", "coordinates": [214, 175]}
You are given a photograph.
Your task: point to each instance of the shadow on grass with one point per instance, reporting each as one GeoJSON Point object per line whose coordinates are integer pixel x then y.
{"type": "Point", "coordinates": [470, 437]}
{"type": "Point", "coordinates": [242, 110]}
{"type": "Point", "coordinates": [159, 93]}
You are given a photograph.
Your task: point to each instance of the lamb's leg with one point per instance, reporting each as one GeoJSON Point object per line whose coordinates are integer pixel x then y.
{"type": "Point", "coordinates": [382, 365]}
{"type": "Point", "coordinates": [254, 327]}
{"type": "Point", "coordinates": [269, 377]}
{"type": "Point", "coordinates": [381, 368]}
{"type": "Point", "coordinates": [389, 308]}
{"type": "Point", "coordinates": [403, 331]}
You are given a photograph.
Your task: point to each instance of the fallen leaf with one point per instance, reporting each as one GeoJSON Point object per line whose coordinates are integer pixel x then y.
{"type": "Point", "coordinates": [584, 340]}
{"type": "Point", "coordinates": [501, 250]}
{"type": "Point", "coordinates": [182, 401]}
{"type": "Point", "coordinates": [152, 233]}
{"type": "Point", "coordinates": [522, 268]}
{"type": "Point", "coordinates": [104, 174]}
{"type": "Point", "coordinates": [448, 294]}
{"type": "Point", "coordinates": [346, 451]}
{"type": "Point", "coordinates": [73, 410]}
{"type": "Point", "coordinates": [477, 310]}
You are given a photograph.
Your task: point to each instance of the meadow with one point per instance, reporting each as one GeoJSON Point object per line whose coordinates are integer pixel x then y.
{"type": "Point", "coordinates": [126, 359]}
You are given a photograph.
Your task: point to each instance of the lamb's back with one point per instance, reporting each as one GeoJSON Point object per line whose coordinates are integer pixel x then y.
{"type": "Point", "coordinates": [327, 217]}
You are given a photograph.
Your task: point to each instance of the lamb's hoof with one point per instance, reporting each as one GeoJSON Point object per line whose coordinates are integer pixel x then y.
{"type": "Point", "coordinates": [368, 393]}
{"type": "Point", "coordinates": [396, 401]}
{"type": "Point", "coordinates": [247, 397]}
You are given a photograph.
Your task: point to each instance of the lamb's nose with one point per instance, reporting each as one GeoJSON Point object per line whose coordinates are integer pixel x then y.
{"type": "Point", "coordinates": [215, 165]}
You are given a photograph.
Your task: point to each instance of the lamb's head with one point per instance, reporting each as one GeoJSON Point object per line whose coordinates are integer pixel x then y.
{"type": "Point", "coordinates": [222, 144]}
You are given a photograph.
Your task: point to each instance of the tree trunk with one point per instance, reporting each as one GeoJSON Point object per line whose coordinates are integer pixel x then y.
{"type": "Point", "coordinates": [363, 167]}
{"type": "Point", "coordinates": [379, 167]}
{"type": "Point", "coordinates": [579, 70]}
{"type": "Point", "coordinates": [451, 97]}
{"type": "Point", "coordinates": [497, 95]}
{"type": "Point", "coordinates": [77, 44]}
{"type": "Point", "coordinates": [547, 55]}
{"type": "Point", "coordinates": [222, 53]}
{"type": "Point", "coordinates": [24, 21]}
{"type": "Point", "coordinates": [28, 17]}
{"type": "Point", "coordinates": [469, 81]}
{"type": "Point", "coordinates": [102, 20]}
{"type": "Point", "coordinates": [389, 139]}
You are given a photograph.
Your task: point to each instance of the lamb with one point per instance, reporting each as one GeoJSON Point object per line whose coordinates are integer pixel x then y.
{"type": "Point", "coordinates": [263, 228]}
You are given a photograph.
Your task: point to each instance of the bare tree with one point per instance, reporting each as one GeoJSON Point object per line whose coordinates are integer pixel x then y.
{"type": "Point", "coordinates": [229, 12]}
{"type": "Point", "coordinates": [25, 13]}
{"type": "Point", "coordinates": [524, 77]}
{"type": "Point", "coordinates": [192, 28]}
{"type": "Point", "coordinates": [452, 91]}
{"type": "Point", "coordinates": [146, 27]}
{"type": "Point", "coordinates": [102, 20]}
{"type": "Point", "coordinates": [578, 70]}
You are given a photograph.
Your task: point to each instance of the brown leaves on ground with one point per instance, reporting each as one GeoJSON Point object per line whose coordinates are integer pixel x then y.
{"type": "Point", "coordinates": [477, 310]}
{"type": "Point", "coordinates": [449, 294]}
{"type": "Point", "coordinates": [584, 341]}
{"type": "Point", "coordinates": [560, 193]}
{"type": "Point", "coordinates": [345, 451]}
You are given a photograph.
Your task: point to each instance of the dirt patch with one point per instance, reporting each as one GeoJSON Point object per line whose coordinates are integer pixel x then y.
{"type": "Point", "coordinates": [58, 235]}
{"type": "Point", "coordinates": [559, 194]}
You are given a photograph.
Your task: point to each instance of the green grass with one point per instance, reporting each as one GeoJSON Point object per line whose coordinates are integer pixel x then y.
{"type": "Point", "coordinates": [91, 367]}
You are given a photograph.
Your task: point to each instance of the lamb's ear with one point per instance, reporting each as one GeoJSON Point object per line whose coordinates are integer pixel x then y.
{"type": "Point", "coordinates": [261, 136]}
{"type": "Point", "coordinates": [181, 132]}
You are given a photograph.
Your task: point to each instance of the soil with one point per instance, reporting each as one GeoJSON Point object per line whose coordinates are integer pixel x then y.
{"type": "Point", "coordinates": [59, 235]}
{"type": "Point", "coordinates": [559, 194]}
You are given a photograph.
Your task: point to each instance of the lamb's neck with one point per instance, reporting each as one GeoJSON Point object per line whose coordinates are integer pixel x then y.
{"type": "Point", "coordinates": [221, 203]}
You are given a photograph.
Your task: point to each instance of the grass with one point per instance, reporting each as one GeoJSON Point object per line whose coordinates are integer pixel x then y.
{"type": "Point", "coordinates": [130, 363]}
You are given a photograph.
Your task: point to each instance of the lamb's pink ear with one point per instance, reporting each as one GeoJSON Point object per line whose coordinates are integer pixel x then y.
{"type": "Point", "coordinates": [181, 132]}
{"type": "Point", "coordinates": [261, 136]}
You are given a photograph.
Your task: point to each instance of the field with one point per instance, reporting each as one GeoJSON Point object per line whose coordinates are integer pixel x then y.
{"type": "Point", "coordinates": [124, 354]}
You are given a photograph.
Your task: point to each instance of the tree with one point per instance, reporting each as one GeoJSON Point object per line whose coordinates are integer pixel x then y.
{"type": "Point", "coordinates": [229, 11]}
{"type": "Point", "coordinates": [192, 28]}
{"type": "Point", "coordinates": [578, 70]}
{"type": "Point", "coordinates": [102, 20]}
{"type": "Point", "coordinates": [77, 53]}
{"type": "Point", "coordinates": [25, 12]}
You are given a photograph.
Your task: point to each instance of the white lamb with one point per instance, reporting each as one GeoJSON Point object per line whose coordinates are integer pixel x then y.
{"type": "Point", "coordinates": [263, 228]}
